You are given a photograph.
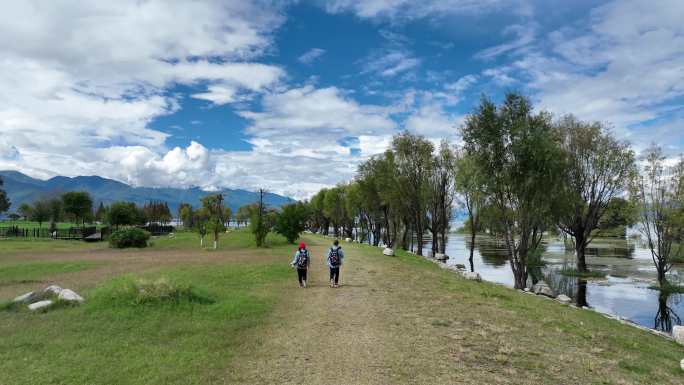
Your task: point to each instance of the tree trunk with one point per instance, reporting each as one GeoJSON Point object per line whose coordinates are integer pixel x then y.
{"type": "Point", "coordinates": [419, 238]}
{"type": "Point", "coordinates": [472, 249]}
{"type": "Point", "coordinates": [201, 240]}
{"type": "Point", "coordinates": [580, 249]}
{"type": "Point", "coordinates": [582, 293]}
{"type": "Point", "coordinates": [435, 242]}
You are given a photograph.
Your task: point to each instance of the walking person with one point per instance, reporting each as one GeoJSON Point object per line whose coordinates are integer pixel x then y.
{"type": "Point", "coordinates": [301, 261]}
{"type": "Point", "coordinates": [335, 256]}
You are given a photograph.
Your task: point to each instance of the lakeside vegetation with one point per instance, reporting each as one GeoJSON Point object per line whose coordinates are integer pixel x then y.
{"type": "Point", "coordinates": [395, 313]}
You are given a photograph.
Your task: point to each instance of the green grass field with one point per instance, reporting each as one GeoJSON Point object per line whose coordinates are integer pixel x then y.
{"type": "Point", "coordinates": [174, 313]}
{"type": "Point", "coordinates": [34, 225]}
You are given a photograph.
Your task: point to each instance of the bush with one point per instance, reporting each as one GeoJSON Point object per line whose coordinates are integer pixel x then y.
{"type": "Point", "coordinates": [130, 291]}
{"type": "Point", "coordinates": [131, 237]}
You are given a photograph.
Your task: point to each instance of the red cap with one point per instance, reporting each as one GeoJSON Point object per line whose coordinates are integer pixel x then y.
{"type": "Point", "coordinates": [302, 245]}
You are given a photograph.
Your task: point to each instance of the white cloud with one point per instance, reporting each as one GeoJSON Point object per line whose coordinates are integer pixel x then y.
{"type": "Point", "coordinates": [625, 66]}
{"type": "Point", "coordinates": [80, 82]}
{"type": "Point", "coordinates": [433, 122]}
{"type": "Point", "coordinates": [408, 9]}
{"type": "Point", "coordinates": [311, 55]}
{"type": "Point", "coordinates": [525, 35]}
{"type": "Point", "coordinates": [391, 63]}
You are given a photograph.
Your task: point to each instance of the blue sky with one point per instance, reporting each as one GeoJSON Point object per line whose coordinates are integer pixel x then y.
{"type": "Point", "coordinates": [293, 95]}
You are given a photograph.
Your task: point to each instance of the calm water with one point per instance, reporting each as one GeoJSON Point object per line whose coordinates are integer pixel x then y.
{"type": "Point", "coordinates": [624, 292]}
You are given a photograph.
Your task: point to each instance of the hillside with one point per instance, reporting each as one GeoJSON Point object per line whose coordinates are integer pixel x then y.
{"type": "Point", "coordinates": [22, 188]}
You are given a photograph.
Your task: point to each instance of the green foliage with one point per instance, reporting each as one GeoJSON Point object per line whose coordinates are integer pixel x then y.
{"type": "Point", "coordinates": [40, 212]}
{"type": "Point", "coordinates": [24, 210]}
{"type": "Point", "coordinates": [572, 272]}
{"type": "Point", "coordinates": [4, 200]}
{"type": "Point", "coordinates": [123, 214]}
{"type": "Point", "coordinates": [261, 220]}
{"type": "Point", "coordinates": [291, 221]}
{"type": "Point", "coordinates": [127, 291]}
{"type": "Point", "coordinates": [215, 215]}
{"type": "Point", "coordinates": [520, 161]}
{"type": "Point", "coordinates": [78, 205]}
{"type": "Point", "coordinates": [129, 237]}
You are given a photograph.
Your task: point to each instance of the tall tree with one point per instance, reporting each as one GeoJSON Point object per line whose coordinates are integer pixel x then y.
{"type": "Point", "coordinates": [470, 186]}
{"type": "Point", "coordinates": [659, 194]}
{"type": "Point", "coordinates": [40, 212]}
{"type": "Point", "coordinates": [260, 221]}
{"type": "Point", "coordinates": [122, 214]}
{"type": "Point", "coordinates": [56, 212]}
{"type": "Point", "coordinates": [218, 215]}
{"type": "Point", "coordinates": [598, 169]}
{"type": "Point", "coordinates": [521, 160]}
{"type": "Point", "coordinates": [290, 221]}
{"type": "Point", "coordinates": [101, 213]}
{"type": "Point", "coordinates": [413, 159]}
{"type": "Point", "coordinates": [441, 196]}
{"type": "Point", "coordinates": [78, 205]}
{"type": "Point", "coordinates": [24, 210]}
{"type": "Point", "coordinates": [186, 215]}
{"type": "Point", "coordinates": [4, 200]}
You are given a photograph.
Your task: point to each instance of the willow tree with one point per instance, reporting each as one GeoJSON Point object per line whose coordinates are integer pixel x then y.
{"type": "Point", "coordinates": [520, 158]}
{"type": "Point", "coordinates": [413, 160]}
{"type": "Point", "coordinates": [441, 195]}
{"type": "Point", "coordinates": [469, 185]}
{"type": "Point", "coordinates": [659, 193]}
{"type": "Point", "coordinates": [598, 169]}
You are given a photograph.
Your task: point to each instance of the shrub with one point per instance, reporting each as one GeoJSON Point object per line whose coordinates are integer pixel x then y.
{"type": "Point", "coordinates": [127, 291]}
{"type": "Point", "coordinates": [131, 237]}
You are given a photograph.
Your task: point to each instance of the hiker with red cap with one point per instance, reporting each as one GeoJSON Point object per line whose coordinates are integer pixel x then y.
{"type": "Point", "coordinates": [301, 261]}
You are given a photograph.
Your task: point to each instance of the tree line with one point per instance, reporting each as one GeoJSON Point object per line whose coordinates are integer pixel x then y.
{"type": "Point", "coordinates": [519, 174]}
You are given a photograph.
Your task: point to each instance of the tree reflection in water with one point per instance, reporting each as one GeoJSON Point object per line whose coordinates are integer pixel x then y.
{"type": "Point", "coordinates": [665, 317]}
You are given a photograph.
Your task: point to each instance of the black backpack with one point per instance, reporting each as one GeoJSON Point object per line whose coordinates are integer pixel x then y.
{"type": "Point", "coordinates": [334, 256]}
{"type": "Point", "coordinates": [303, 259]}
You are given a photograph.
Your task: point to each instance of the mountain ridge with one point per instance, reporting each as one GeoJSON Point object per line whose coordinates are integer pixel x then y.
{"type": "Point", "coordinates": [22, 188]}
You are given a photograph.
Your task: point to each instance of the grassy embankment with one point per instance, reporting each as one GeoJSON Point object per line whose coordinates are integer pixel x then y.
{"type": "Point", "coordinates": [235, 315]}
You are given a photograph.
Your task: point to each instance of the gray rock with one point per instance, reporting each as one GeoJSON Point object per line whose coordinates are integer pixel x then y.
{"type": "Point", "coordinates": [388, 251]}
{"type": "Point", "coordinates": [460, 266]}
{"type": "Point", "coordinates": [541, 288]}
{"type": "Point", "coordinates": [52, 290]}
{"type": "Point", "coordinates": [681, 364]}
{"type": "Point", "coordinates": [473, 276]}
{"type": "Point", "coordinates": [441, 257]}
{"type": "Point", "coordinates": [40, 305]}
{"type": "Point", "coordinates": [25, 298]}
{"type": "Point", "coordinates": [70, 295]}
{"type": "Point", "coordinates": [564, 298]}
{"type": "Point", "coordinates": [678, 334]}
{"type": "Point", "coordinates": [347, 240]}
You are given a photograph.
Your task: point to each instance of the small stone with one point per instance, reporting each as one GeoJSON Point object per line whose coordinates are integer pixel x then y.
{"type": "Point", "coordinates": [25, 298]}
{"type": "Point", "coordinates": [347, 240]}
{"type": "Point", "coordinates": [473, 276]}
{"type": "Point", "coordinates": [388, 251]}
{"type": "Point", "coordinates": [681, 364]}
{"type": "Point", "coordinates": [542, 288]}
{"type": "Point", "coordinates": [563, 298]}
{"type": "Point", "coordinates": [441, 257]}
{"type": "Point", "coordinates": [70, 295]}
{"type": "Point", "coordinates": [40, 305]}
{"type": "Point", "coordinates": [460, 266]}
{"type": "Point", "coordinates": [678, 334]}
{"type": "Point", "coordinates": [52, 290]}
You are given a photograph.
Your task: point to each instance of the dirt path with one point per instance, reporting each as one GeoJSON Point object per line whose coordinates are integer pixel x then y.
{"type": "Point", "coordinates": [321, 335]}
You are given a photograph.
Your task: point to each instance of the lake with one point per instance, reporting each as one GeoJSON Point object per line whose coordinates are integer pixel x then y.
{"type": "Point", "coordinates": [623, 292]}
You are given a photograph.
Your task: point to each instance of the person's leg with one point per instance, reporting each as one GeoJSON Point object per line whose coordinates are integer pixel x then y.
{"type": "Point", "coordinates": [304, 271]}
{"type": "Point", "coordinates": [299, 276]}
{"type": "Point", "coordinates": [332, 276]}
{"type": "Point", "coordinates": [336, 275]}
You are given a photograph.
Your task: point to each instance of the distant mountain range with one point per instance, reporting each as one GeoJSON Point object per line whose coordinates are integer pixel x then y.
{"type": "Point", "coordinates": [22, 188]}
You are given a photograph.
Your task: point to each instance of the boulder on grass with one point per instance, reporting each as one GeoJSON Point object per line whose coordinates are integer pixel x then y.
{"type": "Point", "coordinates": [542, 288]}
{"type": "Point", "coordinates": [678, 334]}
{"type": "Point", "coordinates": [460, 266]}
{"type": "Point", "coordinates": [70, 296]}
{"type": "Point", "coordinates": [564, 298]}
{"type": "Point", "coordinates": [347, 240]}
{"type": "Point", "coordinates": [52, 290]}
{"type": "Point", "coordinates": [25, 298]}
{"type": "Point", "coordinates": [681, 364]}
{"type": "Point", "coordinates": [40, 305]}
{"type": "Point", "coordinates": [441, 257]}
{"type": "Point", "coordinates": [388, 251]}
{"type": "Point", "coordinates": [473, 276]}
